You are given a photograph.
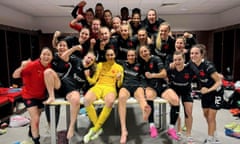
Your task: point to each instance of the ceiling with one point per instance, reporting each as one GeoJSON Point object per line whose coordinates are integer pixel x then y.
{"type": "Point", "coordinates": [64, 7]}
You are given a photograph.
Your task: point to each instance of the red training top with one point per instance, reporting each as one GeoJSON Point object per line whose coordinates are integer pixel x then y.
{"type": "Point", "coordinates": [33, 80]}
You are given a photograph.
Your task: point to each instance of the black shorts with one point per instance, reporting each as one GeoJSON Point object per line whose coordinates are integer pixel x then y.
{"type": "Point", "coordinates": [131, 89]}
{"type": "Point", "coordinates": [34, 102]}
{"type": "Point", "coordinates": [67, 85]}
{"type": "Point", "coordinates": [185, 96]}
{"type": "Point", "coordinates": [159, 90]}
{"type": "Point", "coordinates": [213, 99]}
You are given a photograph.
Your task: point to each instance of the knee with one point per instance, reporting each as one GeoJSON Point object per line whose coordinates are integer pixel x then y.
{"type": "Point", "coordinates": [75, 98]}
{"type": "Point", "coordinates": [109, 103]}
{"type": "Point", "coordinates": [48, 72]}
{"type": "Point", "coordinates": [150, 96]}
{"type": "Point", "coordinates": [188, 115]}
{"type": "Point", "coordinates": [87, 100]}
{"type": "Point", "coordinates": [205, 114]}
{"type": "Point", "coordinates": [175, 101]}
{"type": "Point", "coordinates": [122, 98]}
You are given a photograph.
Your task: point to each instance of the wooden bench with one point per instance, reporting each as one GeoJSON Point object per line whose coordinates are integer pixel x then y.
{"type": "Point", "coordinates": [161, 105]}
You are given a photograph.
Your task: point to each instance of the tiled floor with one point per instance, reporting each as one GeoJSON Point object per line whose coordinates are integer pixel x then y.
{"type": "Point", "coordinates": [138, 130]}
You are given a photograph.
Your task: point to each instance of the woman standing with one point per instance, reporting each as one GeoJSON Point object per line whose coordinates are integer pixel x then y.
{"type": "Point", "coordinates": [211, 89]}
{"type": "Point", "coordinates": [180, 78]}
{"type": "Point", "coordinates": [34, 90]}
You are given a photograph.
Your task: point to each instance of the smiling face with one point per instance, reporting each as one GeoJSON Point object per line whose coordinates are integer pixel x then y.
{"type": "Point", "coordinates": [99, 11]}
{"type": "Point", "coordinates": [116, 23]}
{"type": "Point", "coordinates": [142, 35]}
{"type": "Point", "coordinates": [110, 55]}
{"type": "Point", "coordinates": [46, 56]}
{"type": "Point", "coordinates": [196, 55]}
{"type": "Point", "coordinates": [136, 18]}
{"type": "Point", "coordinates": [152, 16]}
{"type": "Point", "coordinates": [180, 44]}
{"type": "Point", "coordinates": [131, 56]}
{"type": "Point", "coordinates": [84, 35]}
{"type": "Point", "coordinates": [96, 24]}
{"type": "Point", "coordinates": [178, 60]}
{"type": "Point", "coordinates": [144, 53]}
{"type": "Point", "coordinates": [89, 60]}
{"type": "Point", "coordinates": [124, 30]}
{"type": "Point", "coordinates": [107, 15]}
{"type": "Point", "coordinates": [62, 47]}
{"type": "Point", "coordinates": [89, 17]}
{"type": "Point", "coordinates": [164, 30]}
{"type": "Point", "coordinates": [104, 34]}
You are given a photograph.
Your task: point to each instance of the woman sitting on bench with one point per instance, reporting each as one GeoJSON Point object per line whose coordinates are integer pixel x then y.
{"type": "Point", "coordinates": [107, 75]}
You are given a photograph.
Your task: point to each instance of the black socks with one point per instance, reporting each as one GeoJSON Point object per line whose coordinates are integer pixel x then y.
{"type": "Point", "coordinates": [36, 140]}
{"type": "Point", "coordinates": [174, 113]}
{"type": "Point", "coordinates": [151, 116]}
{"type": "Point", "coordinates": [29, 132]}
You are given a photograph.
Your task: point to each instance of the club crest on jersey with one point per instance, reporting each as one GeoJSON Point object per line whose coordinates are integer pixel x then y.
{"type": "Point", "coordinates": [66, 65]}
{"type": "Point", "coordinates": [155, 28]}
{"type": "Point", "coordinates": [130, 44]}
{"type": "Point", "coordinates": [186, 76]}
{"type": "Point", "coordinates": [151, 65]}
{"type": "Point", "coordinates": [112, 46]}
{"type": "Point", "coordinates": [166, 46]}
{"type": "Point", "coordinates": [136, 68]}
{"type": "Point", "coordinates": [202, 73]}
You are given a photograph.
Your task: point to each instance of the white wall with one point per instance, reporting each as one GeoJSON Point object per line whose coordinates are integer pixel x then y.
{"type": "Point", "coordinates": [229, 17]}
{"type": "Point", "coordinates": [178, 22]}
{"type": "Point", "coordinates": [15, 18]}
{"type": "Point", "coordinates": [191, 22]}
{"type": "Point", "coordinates": [51, 24]}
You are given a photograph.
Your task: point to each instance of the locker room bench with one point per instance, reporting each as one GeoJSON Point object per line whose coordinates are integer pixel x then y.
{"type": "Point", "coordinates": [60, 101]}
{"type": "Point", "coordinates": [9, 97]}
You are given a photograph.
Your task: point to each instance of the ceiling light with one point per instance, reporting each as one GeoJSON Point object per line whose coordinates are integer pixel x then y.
{"type": "Point", "coordinates": [168, 4]}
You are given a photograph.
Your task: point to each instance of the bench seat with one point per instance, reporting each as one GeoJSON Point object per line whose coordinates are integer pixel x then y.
{"type": "Point", "coordinates": [61, 101]}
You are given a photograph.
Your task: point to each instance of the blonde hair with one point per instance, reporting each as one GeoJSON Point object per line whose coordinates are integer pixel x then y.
{"type": "Point", "coordinates": [158, 39]}
{"type": "Point", "coordinates": [129, 29]}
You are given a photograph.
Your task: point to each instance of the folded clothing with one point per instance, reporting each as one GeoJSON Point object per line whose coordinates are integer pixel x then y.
{"type": "Point", "coordinates": [18, 121]}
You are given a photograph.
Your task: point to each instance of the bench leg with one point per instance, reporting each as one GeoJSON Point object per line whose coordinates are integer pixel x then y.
{"type": "Point", "coordinates": [67, 116]}
{"type": "Point", "coordinates": [162, 116]}
{"type": "Point", "coordinates": [53, 124]}
{"type": "Point", "coordinates": [116, 117]}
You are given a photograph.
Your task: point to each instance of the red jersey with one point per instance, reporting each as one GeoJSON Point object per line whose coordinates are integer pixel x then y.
{"type": "Point", "coordinates": [33, 80]}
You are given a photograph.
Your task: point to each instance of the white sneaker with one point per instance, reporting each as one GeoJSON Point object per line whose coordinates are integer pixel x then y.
{"type": "Point", "coordinates": [216, 141]}
{"type": "Point", "coordinates": [96, 135]}
{"type": "Point", "coordinates": [88, 136]}
{"type": "Point", "coordinates": [190, 140]}
{"type": "Point", "coordinates": [180, 135]}
{"type": "Point", "coordinates": [207, 141]}
{"type": "Point", "coordinates": [47, 132]}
